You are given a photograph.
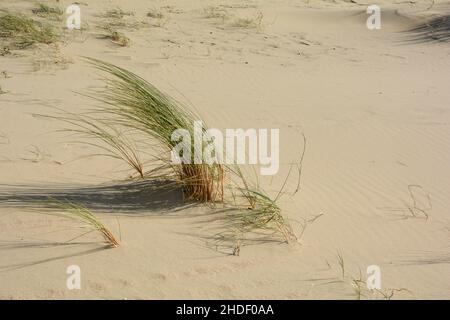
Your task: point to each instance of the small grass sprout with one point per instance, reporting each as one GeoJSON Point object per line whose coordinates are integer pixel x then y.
{"type": "Point", "coordinates": [248, 22]}
{"type": "Point", "coordinates": [45, 11]}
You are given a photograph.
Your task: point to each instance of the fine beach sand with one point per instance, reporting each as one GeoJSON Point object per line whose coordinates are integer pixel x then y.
{"type": "Point", "coordinates": [374, 107]}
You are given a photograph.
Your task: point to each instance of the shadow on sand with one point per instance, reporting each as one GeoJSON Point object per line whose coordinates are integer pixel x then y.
{"type": "Point", "coordinates": [147, 197]}
{"type": "Point", "coordinates": [15, 266]}
{"type": "Point", "coordinates": [434, 30]}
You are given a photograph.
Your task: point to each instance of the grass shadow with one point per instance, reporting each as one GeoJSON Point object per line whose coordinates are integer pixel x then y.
{"type": "Point", "coordinates": [138, 198]}
{"type": "Point", "coordinates": [127, 197]}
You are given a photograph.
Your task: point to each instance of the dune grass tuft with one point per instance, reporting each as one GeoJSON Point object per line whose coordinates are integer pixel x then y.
{"type": "Point", "coordinates": [119, 19]}
{"type": "Point", "coordinates": [135, 120]}
{"type": "Point", "coordinates": [262, 221]}
{"type": "Point", "coordinates": [45, 11]}
{"type": "Point", "coordinates": [119, 38]}
{"type": "Point", "coordinates": [253, 212]}
{"type": "Point", "coordinates": [248, 22]}
{"type": "Point", "coordinates": [158, 18]}
{"type": "Point", "coordinates": [21, 32]}
{"type": "Point", "coordinates": [133, 105]}
{"type": "Point", "coordinates": [117, 13]}
{"type": "Point", "coordinates": [265, 213]}
{"type": "Point", "coordinates": [115, 143]}
{"type": "Point", "coordinates": [155, 14]}
{"type": "Point", "coordinates": [212, 12]}
{"type": "Point", "coordinates": [115, 22]}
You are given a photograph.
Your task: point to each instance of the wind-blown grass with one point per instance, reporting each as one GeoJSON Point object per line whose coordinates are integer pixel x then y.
{"type": "Point", "coordinates": [136, 119]}
{"type": "Point", "coordinates": [254, 215]}
{"type": "Point", "coordinates": [116, 144]}
{"type": "Point", "coordinates": [248, 22]}
{"type": "Point", "coordinates": [118, 38]}
{"type": "Point", "coordinates": [212, 12]}
{"type": "Point", "coordinates": [119, 19]}
{"type": "Point", "coordinates": [262, 221]}
{"type": "Point", "coordinates": [253, 211]}
{"type": "Point", "coordinates": [45, 11]}
{"type": "Point", "coordinates": [131, 104]}
{"type": "Point", "coordinates": [155, 14]}
{"type": "Point", "coordinates": [21, 32]}
{"type": "Point", "coordinates": [157, 17]}
{"type": "Point", "coordinates": [116, 13]}
{"type": "Point", "coordinates": [70, 210]}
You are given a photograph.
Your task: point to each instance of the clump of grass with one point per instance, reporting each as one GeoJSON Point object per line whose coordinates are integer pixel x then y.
{"type": "Point", "coordinates": [45, 11]}
{"type": "Point", "coordinates": [263, 214]}
{"type": "Point", "coordinates": [5, 74]}
{"type": "Point", "coordinates": [233, 20]}
{"type": "Point", "coordinates": [172, 9]}
{"type": "Point", "coordinates": [213, 12]}
{"type": "Point", "coordinates": [155, 14]}
{"type": "Point", "coordinates": [74, 211]}
{"type": "Point", "coordinates": [115, 24]}
{"type": "Point", "coordinates": [50, 58]}
{"type": "Point", "coordinates": [359, 285]}
{"type": "Point", "coordinates": [116, 20]}
{"type": "Point", "coordinates": [362, 292]}
{"type": "Point", "coordinates": [158, 18]}
{"type": "Point", "coordinates": [119, 38]}
{"type": "Point", "coordinates": [248, 22]}
{"type": "Point", "coordinates": [341, 264]}
{"type": "Point", "coordinates": [258, 221]}
{"type": "Point", "coordinates": [115, 143]}
{"type": "Point", "coordinates": [255, 213]}
{"type": "Point", "coordinates": [135, 105]}
{"type": "Point", "coordinates": [4, 51]}
{"type": "Point", "coordinates": [117, 13]}
{"type": "Point", "coordinates": [260, 211]}
{"type": "Point", "coordinates": [21, 32]}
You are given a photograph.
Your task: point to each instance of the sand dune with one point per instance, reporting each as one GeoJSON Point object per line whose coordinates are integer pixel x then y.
{"type": "Point", "coordinates": [373, 106]}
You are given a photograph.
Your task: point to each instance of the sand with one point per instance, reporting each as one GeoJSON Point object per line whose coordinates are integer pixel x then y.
{"type": "Point", "coordinates": [373, 105]}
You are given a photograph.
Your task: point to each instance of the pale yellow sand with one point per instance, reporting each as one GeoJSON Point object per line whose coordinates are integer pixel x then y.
{"type": "Point", "coordinates": [374, 110]}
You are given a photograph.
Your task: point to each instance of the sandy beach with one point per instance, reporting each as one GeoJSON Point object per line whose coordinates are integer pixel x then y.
{"type": "Point", "coordinates": [373, 106]}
